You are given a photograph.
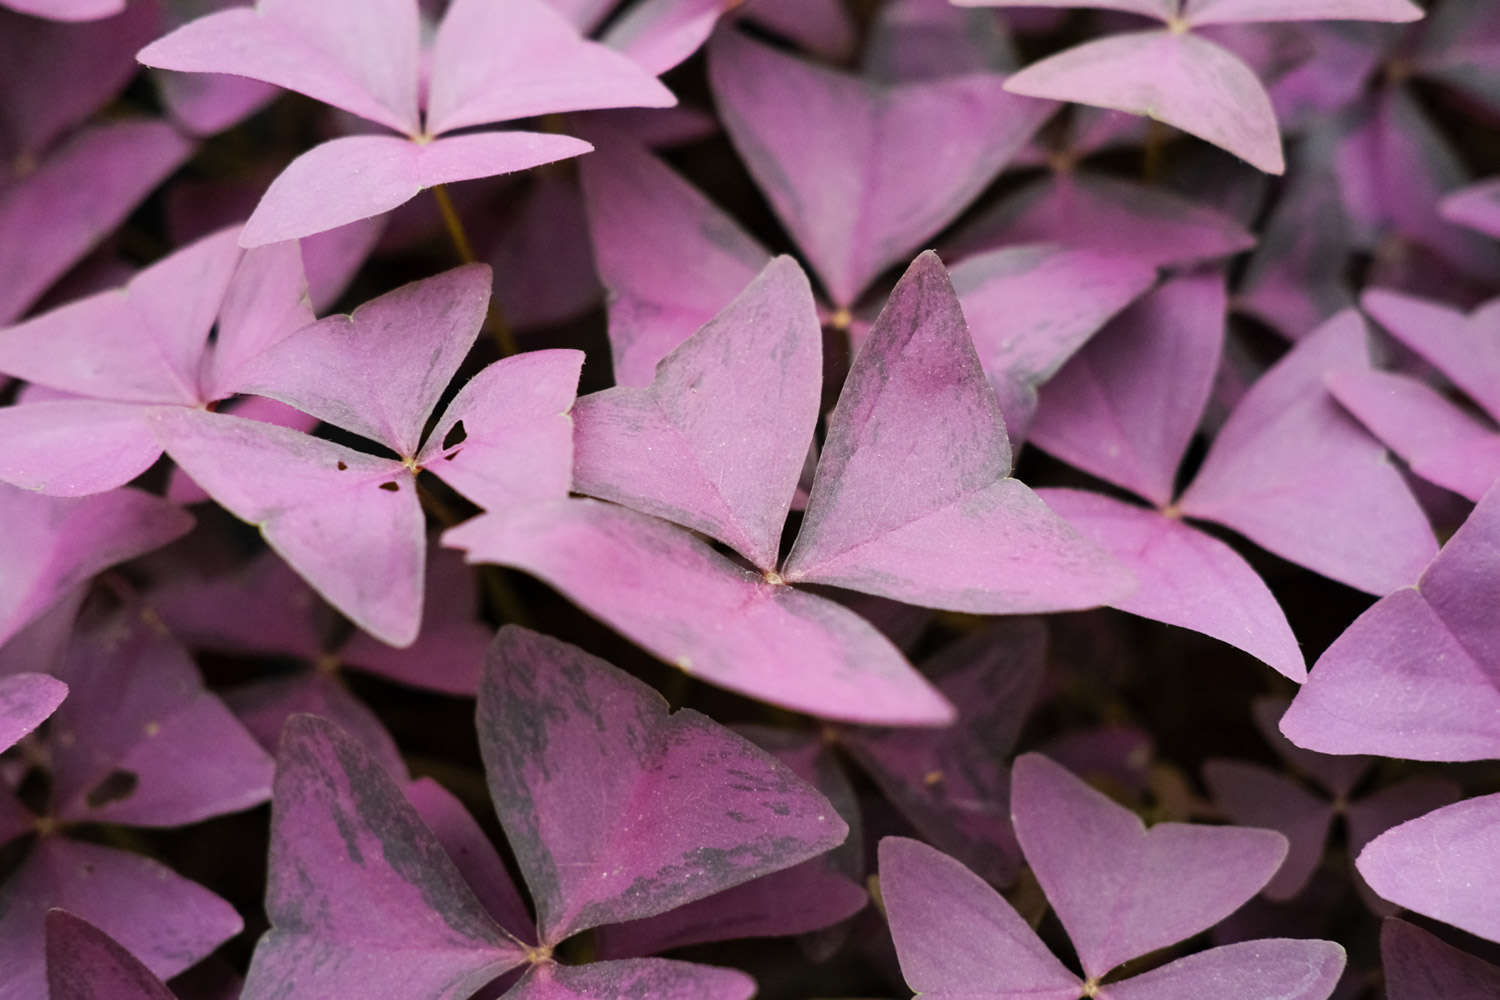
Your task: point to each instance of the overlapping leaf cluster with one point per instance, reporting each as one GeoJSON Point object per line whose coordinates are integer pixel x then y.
{"type": "Point", "coordinates": [888, 388]}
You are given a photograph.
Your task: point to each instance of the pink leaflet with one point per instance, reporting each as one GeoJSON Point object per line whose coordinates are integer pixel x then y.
{"type": "Point", "coordinates": [953, 932]}
{"type": "Point", "coordinates": [847, 164]}
{"type": "Point", "coordinates": [1294, 473]}
{"type": "Point", "coordinates": [1253, 795]}
{"type": "Point", "coordinates": [68, 10]}
{"type": "Point", "coordinates": [953, 784]}
{"type": "Point", "coordinates": [1187, 578]}
{"type": "Point", "coordinates": [26, 700]}
{"type": "Point", "coordinates": [142, 343]}
{"type": "Point", "coordinates": [657, 978]}
{"type": "Point", "coordinates": [1127, 406]}
{"type": "Point", "coordinates": [913, 498]}
{"type": "Point", "coordinates": [168, 922]}
{"type": "Point", "coordinates": [361, 895]}
{"type": "Point", "coordinates": [1477, 207]}
{"type": "Point", "coordinates": [380, 370]}
{"type": "Point", "coordinates": [1201, 12]}
{"type": "Point", "coordinates": [717, 442]}
{"type": "Point", "coordinates": [1392, 805]}
{"type": "Point", "coordinates": [1441, 442]}
{"type": "Point", "coordinates": [54, 544]}
{"type": "Point", "coordinates": [672, 594]}
{"type": "Point", "coordinates": [517, 442]}
{"type": "Point", "coordinates": [676, 807]}
{"type": "Point", "coordinates": [1418, 674]}
{"type": "Point", "coordinates": [1121, 890]}
{"type": "Point", "coordinates": [1465, 348]}
{"type": "Point", "coordinates": [1030, 308]}
{"type": "Point", "coordinates": [74, 447]}
{"type": "Point", "coordinates": [1177, 78]}
{"type": "Point", "coordinates": [1442, 865]}
{"type": "Point", "coordinates": [140, 741]}
{"type": "Point", "coordinates": [1419, 965]}
{"type": "Point", "coordinates": [81, 192]}
{"type": "Point", "coordinates": [496, 62]}
{"type": "Point", "coordinates": [359, 55]}
{"type": "Point", "coordinates": [1272, 969]}
{"type": "Point", "coordinates": [330, 511]}
{"type": "Point", "coordinates": [358, 176]}
{"type": "Point", "coordinates": [644, 220]}
{"type": "Point", "coordinates": [265, 301]}
{"type": "Point", "coordinates": [84, 963]}
{"type": "Point", "coordinates": [1087, 211]}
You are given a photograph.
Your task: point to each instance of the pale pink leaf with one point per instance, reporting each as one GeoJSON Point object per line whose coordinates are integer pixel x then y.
{"type": "Point", "coordinates": [359, 55]}
{"type": "Point", "coordinates": [358, 176]}
{"type": "Point", "coordinates": [1200, 12]}
{"type": "Point", "coordinates": [1271, 969]}
{"type": "Point", "coordinates": [1174, 77]}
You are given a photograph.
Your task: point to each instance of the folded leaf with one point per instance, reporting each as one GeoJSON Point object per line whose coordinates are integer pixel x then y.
{"type": "Point", "coordinates": [356, 55]}
{"type": "Point", "coordinates": [1174, 77]}
{"type": "Point", "coordinates": [913, 498]}
{"type": "Point", "coordinates": [1418, 674]}
{"type": "Point", "coordinates": [1441, 865]}
{"type": "Point", "coordinates": [360, 894]}
{"type": "Point", "coordinates": [497, 62]}
{"type": "Point", "coordinates": [1274, 969]}
{"type": "Point", "coordinates": [358, 176]}
{"type": "Point", "coordinates": [717, 442]}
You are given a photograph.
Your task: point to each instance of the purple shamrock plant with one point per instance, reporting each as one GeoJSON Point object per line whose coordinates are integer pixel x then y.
{"type": "Point", "coordinates": [1120, 890]}
{"type": "Point", "coordinates": [486, 63]}
{"type": "Point", "coordinates": [912, 500]}
{"type": "Point", "coordinates": [1288, 458]}
{"type": "Point", "coordinates": [615, 810]}
{"type": "Point", "coordinates": [1176, 76]}
{"type": "Point", "coordinates": [348, 521]}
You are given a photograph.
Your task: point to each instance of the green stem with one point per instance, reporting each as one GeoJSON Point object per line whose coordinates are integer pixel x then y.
{"type": "Point", "coordinates": [494, 319]}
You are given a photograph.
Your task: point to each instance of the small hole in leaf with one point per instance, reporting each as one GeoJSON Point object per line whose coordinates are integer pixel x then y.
{"type": "Point", "coordinates": [115, 786]}
{"type": "Point", "coordinates": [343, 466]}
{"type": "Point", "coordinates": [457, 435]}
{"type": "Point", "coordinates": [391, 487]}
